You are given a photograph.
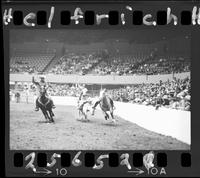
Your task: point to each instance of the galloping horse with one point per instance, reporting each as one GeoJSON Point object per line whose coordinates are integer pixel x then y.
{"type": "Point", "coordinates": [45, 105]}
{"type": "Point", "coordinates": [107, 106]}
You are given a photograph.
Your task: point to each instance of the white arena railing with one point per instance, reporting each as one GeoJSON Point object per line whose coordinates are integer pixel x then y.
{"type": "Point", "coordinates": [107, 79]}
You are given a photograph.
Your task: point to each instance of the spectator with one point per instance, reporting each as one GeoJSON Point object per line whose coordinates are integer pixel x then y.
{"type": "Point", "coordinates": [174, 94]}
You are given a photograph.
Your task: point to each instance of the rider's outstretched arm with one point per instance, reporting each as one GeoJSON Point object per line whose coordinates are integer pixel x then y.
{"type": "Point", "coordinates": [33, 81]}
{"type": "Point", "coordinates": [80, 96]}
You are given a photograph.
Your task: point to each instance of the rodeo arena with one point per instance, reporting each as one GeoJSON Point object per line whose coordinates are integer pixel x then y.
{"type": "Point", "coordinates": [100, 90]}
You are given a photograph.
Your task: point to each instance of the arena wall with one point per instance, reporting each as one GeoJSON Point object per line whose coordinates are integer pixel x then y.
{"type": "Point", "coordinates": [108, 79]}
{"type": "Point", "coordinates": [169, 122]}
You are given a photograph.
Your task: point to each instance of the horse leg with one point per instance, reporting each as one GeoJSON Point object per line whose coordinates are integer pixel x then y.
{"type": "Point", "coordinates": [91, 110]}
{"type": "Point", "coordinates": [113, 119]}
{"type": "Point", "coordinates": [45, 114]}
{"type": "Point", "coordinates": [106, 116]}
{"type": "Point", "coordinates": [48, 118]}
{"type": "Point", "coordinates": [111, 113]}
{"type": "Point", "coordinates": [51, 114]}
{"type": "Point", "coordinates": [85, 115]}
{"type": "Point", "coordinates": [81, 114]}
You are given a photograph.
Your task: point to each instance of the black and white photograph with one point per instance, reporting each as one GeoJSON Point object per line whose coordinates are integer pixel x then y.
{"type": "Point", "coordinates": [108, 89]}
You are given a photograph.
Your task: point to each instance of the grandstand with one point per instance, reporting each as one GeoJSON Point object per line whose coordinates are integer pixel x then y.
{"type": "Point", "coordinates": [74, 63]}
{"type": "Point", "coordinates": [32, 57]}
{"type": "Point", "coordinates": [100, 53]}
{"type": "Point", "coordinates": [30, 62]}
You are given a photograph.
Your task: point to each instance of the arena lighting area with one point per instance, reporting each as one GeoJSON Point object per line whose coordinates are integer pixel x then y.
{"type": "Point", "coordinates": [169, 122]}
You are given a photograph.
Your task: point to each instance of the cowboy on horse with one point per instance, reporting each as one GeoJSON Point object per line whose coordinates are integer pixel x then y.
{"type": "Point", "coordinates": [82, 98]}
{"type": "Point", "coordinates": [101, 96]}
{"type": "Point", "coordinates": [84, 103]}
{"type": "Point", "coordinates": [42, 84]}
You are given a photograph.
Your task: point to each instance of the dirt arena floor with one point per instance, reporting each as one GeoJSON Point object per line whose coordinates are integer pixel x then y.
{"type": "Point", "coordinates": [28, 131]}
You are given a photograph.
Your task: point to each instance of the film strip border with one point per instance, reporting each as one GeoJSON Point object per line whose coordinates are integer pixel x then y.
{"type": "Point", "coordinates": [114, 17]}
{"type": "Point", "coordinates": [88, 159]}
{"type": "Point", "coordinates": [149, 161]}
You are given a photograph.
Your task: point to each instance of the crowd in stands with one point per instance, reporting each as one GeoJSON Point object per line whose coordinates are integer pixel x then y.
{"type": "Point", "coordinates": [128, 65]}
{"type": "Point", "coordinates": [22, 67]}
{"type": "Point", "coordinates": [64, 90]}
{"type": "Point", "coordinates": [102, 64]}
{"type": "Point", "coordinates": [120, 65]}
{"type": "Point", "coordinates": [30, 63]}
{"type": "Point", "coordinates": [174, 94]}
{"type": "Point", "coordinates": [164, 66]}
{"type": "Point", "coordinates": [76, 63]}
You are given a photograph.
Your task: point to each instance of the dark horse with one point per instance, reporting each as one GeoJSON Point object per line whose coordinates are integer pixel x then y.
{"type": "Point", "coordinates": [107, 106]}
{"type": "Point", "coordinates": [45, 105]}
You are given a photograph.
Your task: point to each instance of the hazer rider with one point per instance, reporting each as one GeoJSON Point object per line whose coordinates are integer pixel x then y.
{"type": "Point", "coordinates": [83, 97]}
{"type": "Point", "coordinates": [40, 84]}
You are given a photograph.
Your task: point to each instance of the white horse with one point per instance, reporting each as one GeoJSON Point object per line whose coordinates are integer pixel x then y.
{"type": "Point", "coordinates": [84, 107]}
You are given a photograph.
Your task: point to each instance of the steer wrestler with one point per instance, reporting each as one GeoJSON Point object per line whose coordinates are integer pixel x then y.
{"type": "Point", "coordinates": [101, 95]}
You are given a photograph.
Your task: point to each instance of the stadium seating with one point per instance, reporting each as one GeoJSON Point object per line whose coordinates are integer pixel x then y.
{"type": "Point", "coordinates": [164, 65]}
{"type": "Point", "coordinates": [75, 64]}
{"type": "Point", "coordinates": [138, 63]}
{"type": "Point", "coordinates": [29, 62]}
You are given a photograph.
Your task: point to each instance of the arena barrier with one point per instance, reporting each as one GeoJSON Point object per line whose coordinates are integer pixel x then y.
{"type": "Point", "coordinates": [107, 79]}
{"type": "Point", "coordinates": [169, 122]}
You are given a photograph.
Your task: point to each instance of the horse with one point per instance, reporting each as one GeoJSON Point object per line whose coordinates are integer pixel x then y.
{"type": "Point", "coordinates": [45, 105]}
{"type": "Point", "coordinates": [107, 106]}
